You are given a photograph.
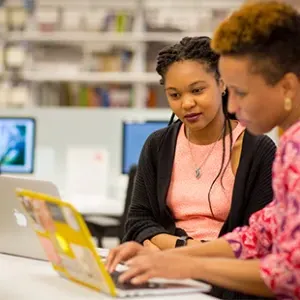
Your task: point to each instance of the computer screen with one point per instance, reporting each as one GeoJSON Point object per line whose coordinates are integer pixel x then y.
{"type": "Point", "coordinates": [17, 144]}
{"type": "Point", "coordinates": [134, 137]}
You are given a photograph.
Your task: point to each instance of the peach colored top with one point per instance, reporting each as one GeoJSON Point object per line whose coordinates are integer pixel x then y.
{"type": "Point", "coordinates": [188, 196]}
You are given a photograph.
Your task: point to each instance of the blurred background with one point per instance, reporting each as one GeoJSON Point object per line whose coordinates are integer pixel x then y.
{"type": "Point", "coordinates": [96, 53]}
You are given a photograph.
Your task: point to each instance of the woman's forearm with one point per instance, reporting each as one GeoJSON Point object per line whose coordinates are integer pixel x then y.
{"type": "Point", "coordinates": [167, 241]}
{"type": "Point", "coordinates": [216, 248]}
{"type": "Point", "coordinates": [240, 275]}
{"type": "Point", "coordinates": [164, 241]}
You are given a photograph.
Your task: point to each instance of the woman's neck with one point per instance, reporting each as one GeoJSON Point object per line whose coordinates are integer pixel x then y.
{"type": "Point", "coordinates": [293, 118]}
{"type": "Point", "coordinates": [210, 134]}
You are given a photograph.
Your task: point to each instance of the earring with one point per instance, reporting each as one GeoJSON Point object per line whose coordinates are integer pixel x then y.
{"type": "Point", "coordinates": [288, 104]}
{"type": "Point", "coordinates": [224, 93]}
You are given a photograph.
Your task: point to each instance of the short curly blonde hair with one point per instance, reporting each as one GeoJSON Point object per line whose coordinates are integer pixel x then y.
{"type": "Point", "coordinates": [268, 32]}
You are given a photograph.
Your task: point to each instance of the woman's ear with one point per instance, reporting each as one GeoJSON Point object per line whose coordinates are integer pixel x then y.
{"type": "Point", "coordinates": [222, 85]}
{"type": "Point", "coordinates": [290, 85]}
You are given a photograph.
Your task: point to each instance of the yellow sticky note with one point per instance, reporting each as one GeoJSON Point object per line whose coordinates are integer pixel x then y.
{"type": "Point", "coordinates": [62, 243]}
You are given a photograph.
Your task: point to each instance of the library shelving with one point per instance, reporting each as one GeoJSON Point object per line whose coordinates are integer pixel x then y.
{"type": "Point", "coordinates": [88, 45]}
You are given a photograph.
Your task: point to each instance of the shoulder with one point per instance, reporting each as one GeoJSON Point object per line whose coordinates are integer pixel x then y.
{"type": "Point", "coordinates": [289, 146]}
{"type": "Point", "coordinates": [291, 136]}
{"type": "Point", "coordinates": [287, 164]}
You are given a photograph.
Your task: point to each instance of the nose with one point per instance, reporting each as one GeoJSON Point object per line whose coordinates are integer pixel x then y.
{"type": "Point", "coordinates": [188, 102]}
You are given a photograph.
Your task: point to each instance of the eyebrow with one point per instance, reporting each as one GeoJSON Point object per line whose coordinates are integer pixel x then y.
{"type": "Point", "coordinates": [237, 88]}
{"type": "Point", "coordinates": [233, 86]}
{"type": "Point", "coordinates": [194, 83]}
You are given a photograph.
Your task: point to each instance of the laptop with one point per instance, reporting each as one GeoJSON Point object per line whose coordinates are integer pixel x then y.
{"type": "Point", "coordinates": [70, 249]}
{"type": "Point", "coordinates": [17, 238]}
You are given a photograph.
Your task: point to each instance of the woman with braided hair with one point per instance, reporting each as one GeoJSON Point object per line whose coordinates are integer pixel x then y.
{"type": "Point", "coordinates": [189, 172]}
{"type": "Point", "coordinates": [259, 46]}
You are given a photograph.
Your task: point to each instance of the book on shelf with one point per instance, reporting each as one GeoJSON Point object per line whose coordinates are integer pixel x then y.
{"type": "Point", "coordinates": [71, 94]}
{"type": "Point", "coordinates": [113, 60]}
{"type": "Point", "coordinates": [93, 96]}
{"type": "Point", "coordinates": [117, 21]}
{"type": "Point", "coordinates": [70, 58]}
{"type": "Point", "coordinates": [80, 95]}
{"type": "Point", "coordinates": [70, 18]}
{"type": "Point", "coordinates": [109, 96]}
{"type": "Point", "coordinates": [112, 96]}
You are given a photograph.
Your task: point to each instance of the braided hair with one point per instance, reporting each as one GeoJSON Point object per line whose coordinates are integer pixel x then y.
{"type": "Point", "coordinates": [198, 49]}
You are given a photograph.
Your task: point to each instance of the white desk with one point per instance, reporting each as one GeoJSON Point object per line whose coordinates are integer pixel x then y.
{"type": "Point", "coordinates": [22, 278]}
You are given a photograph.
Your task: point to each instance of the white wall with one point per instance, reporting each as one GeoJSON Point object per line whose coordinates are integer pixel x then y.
{"type": "Point", "coordinates": [60, 127]}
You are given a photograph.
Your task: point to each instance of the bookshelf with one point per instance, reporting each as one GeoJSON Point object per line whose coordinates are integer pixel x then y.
{"type": "Point", "coordinates": [92, 77]}
{"type": "Point", "coordinates": [64, 49]}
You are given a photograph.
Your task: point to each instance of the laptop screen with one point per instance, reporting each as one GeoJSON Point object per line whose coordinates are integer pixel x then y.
{"type": "Point", "coordinates": [17, 145]}
{"type": "Point", "coordinates": [134, 136]}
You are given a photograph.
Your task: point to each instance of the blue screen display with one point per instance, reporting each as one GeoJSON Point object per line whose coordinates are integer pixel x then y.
{"type": "Point", "coordinates": [134, 137]}
{"type": "Point", "coordinates": [17, 145]}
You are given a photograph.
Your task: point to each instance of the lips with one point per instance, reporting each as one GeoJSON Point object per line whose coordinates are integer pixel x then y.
{"type": "Point", "coordinates": [192, 117]}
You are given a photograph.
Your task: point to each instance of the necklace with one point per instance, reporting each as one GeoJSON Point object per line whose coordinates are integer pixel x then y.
{"type": "Point", "coordinates": [198, 168]}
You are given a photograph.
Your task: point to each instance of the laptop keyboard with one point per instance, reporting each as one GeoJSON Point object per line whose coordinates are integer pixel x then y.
{"type": "Point", "coordinates": [129, 286]}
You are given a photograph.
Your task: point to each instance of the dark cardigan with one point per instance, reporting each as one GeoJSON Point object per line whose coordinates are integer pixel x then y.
{"type": "Point", "coordinates": [149, 214]}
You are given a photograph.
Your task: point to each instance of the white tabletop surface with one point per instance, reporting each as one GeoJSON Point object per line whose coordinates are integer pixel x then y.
{"type": "Point", "coordinates": [22, 278]}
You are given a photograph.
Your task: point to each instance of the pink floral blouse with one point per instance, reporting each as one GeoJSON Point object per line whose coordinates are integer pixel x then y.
{"type": "Point", "coordinates": [273, 235]}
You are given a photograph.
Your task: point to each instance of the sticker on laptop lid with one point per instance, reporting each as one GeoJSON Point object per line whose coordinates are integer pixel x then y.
{"type": "Point", "coordinates": [62, 244]}
{"type": "Point", "coordinates": [50, 250]}
{"type": "Point", "coordinates": [71, 218]}
{"type": "Point", "coordinates": [72, 267]}
{"type": "Point", "coordinates": [89, 266]}
{"type": "Point", "coordinates": [43, 216]}
{"type": "Point", "coordinates": [56, 212]}
{"type": "Point", "coordinates": [28, 206]}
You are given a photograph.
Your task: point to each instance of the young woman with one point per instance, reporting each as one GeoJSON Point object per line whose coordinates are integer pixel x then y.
{"type": "Point", "coordinates": [204, 175]}
{"type": "Point", "coordinates": [260, 63]}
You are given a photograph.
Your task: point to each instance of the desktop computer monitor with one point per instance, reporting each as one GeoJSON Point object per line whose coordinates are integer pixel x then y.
{"type": "Point", "coordinates": [17, 144]}
{"type": "Point", "coordinates": [134, 137]}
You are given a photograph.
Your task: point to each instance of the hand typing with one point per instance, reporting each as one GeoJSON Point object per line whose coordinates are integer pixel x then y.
{"type": "Point", "coordinates": [127, 251]}
{"type": "Point", "coordinates": [161, 264]}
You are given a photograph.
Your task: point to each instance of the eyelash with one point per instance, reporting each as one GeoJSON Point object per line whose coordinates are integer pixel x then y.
{"type": "Point", "coordinates": [240, 94]}
{"type": "Point", "coordinates": [174, 95]}
{"type": "Point", "coordinates": [194, 91]}
{"type": "Point", "coordinates": [197, 91]}
{"type": "Point", "coordinates": [237, 93]}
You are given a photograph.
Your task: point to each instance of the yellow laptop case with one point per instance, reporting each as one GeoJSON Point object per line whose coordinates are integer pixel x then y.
{"type": "Point", "coordinates": [66, 240]}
